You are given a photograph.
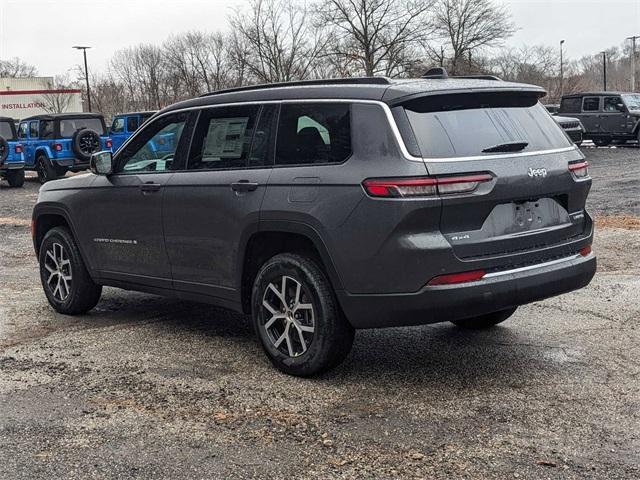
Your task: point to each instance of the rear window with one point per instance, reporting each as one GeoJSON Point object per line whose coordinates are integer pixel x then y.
{"type": "Point", "coordinates": [69, 126]}
{"type": "Point", "coordinates": [448, 126]}
{"type": "Point", "coordinates": [6, 131]}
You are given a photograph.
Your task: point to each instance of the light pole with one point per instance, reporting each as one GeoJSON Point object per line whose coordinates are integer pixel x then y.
{"type": "Point", "coordinates": [561, 71]}
{"type": "Point", "coordinates": [604, 69]}
{"type": "Point", "coordinates": [633, 61]}
{"type": "Point", "coordinates": [86, 73]}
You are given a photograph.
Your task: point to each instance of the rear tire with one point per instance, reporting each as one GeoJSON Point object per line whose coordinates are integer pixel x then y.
{"type": "Point", "coordinates": [65, 279]}
{"type": "Point", "coordinates": [15, 178]}
{"type": "Point", "coordinates": [485, 321]}
{"type": "Point", "coordinates": [44, 169]}
{"type": "Point", "coordinates": [602, 142]}
{"type": "Point", "coordinates": [297, 317]}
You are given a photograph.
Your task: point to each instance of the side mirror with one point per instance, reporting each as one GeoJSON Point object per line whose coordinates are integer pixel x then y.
{"type": "Point", "coordinates": [101, 163]}
{"type": "Point", "coordinates": [620, 107]}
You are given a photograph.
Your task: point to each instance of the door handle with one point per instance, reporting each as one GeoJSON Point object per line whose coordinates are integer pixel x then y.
{"type": "Point", "coordinates": [150, 187]}
{"type": "Point", "coordinates": [244, 186]}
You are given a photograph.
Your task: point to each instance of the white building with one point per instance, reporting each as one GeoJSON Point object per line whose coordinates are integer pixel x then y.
{"type": "Point", "coordinates": [23, 97]}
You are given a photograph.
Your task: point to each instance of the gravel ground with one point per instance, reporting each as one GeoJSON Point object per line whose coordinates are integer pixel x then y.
{"type": "Point", "coordinates": [148, 387]}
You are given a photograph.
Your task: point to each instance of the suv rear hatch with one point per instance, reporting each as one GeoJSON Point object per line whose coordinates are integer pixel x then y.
{"type": "Point", "coordinates": [530, 201]}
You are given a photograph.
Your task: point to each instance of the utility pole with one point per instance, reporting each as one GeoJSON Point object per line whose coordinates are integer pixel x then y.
{"type": "Point", "coordinates": [604, 70]}
{"type": "Point", "coordinates": [633, 61]}
{"type": "Point", "coordinates": [561, 71]}
{"type": "Point", "coordinates": [86, 73]}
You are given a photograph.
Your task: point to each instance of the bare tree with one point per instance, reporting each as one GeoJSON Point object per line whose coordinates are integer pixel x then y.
{"type": "Point", "coordinates": [277, 41]}
{"type": "Point", "coordinates": [59, 99]}
{"type": "Point", "coordinates": [469, 27]}
{"type": "Point", "coordinates": [375, 36]}
{"type": "Point", "coordinates": [15, 67]}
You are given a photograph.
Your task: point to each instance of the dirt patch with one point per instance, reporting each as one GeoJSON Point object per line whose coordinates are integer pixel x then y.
{"type": "Point", "coordinates": [628, 222]}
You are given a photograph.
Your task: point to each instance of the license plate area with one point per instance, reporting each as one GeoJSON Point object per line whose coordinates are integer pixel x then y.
{"type": "Point", "coordinates": [515, 219]}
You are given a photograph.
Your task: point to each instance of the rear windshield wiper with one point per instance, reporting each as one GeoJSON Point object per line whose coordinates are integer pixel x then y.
{"type": "Point", "coordinates": [506, 147]}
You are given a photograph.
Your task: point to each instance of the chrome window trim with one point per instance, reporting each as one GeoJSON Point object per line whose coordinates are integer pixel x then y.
{"type": "Point", "coordinates": [391, 121]}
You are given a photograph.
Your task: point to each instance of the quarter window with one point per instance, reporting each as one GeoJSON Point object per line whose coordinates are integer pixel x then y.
{"type": "Point", "coordinates": [312, 133]}
{"type": "Point", "coordinates": [132, 124]}
{"type": "Point", "coordinates": [570, 105]}
{"type": "Point", "coordinates": [154, 150]}
{"type": "Point", "coordinates": [223, 138]}
{"type": "Point", "coordinates": [591, 104]}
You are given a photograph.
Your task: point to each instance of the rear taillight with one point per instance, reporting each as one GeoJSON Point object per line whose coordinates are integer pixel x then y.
{"type": "Point", "coordinates": [108, 143]}
{"type": "Point", "coordinates": [57, 147]}
{"type": "Point", "coordinates": [585, 251]}
{"type": "Point", "coordinates": [424, 186]}
{"type": "Point", "coordinates": [18, 148]}
{"type": "Point", "coordinates": [579, 169]}
{"type": "Point", "coordinates": [454, 278]}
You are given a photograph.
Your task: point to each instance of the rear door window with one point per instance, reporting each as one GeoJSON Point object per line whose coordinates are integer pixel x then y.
{"type": "Point", "coordinates": [132, 123]}
{"type": "Point", "coordinates": [314, 133]}
{"type": "Point", "coordinates": [33, 129]}
{"type": "Point", "coordinates": [591, 104]}
{"type": "Point", "coordinates": [46, 129]}
{"type": "Point", "coordinates": [448, 126]}
{"type": "Point", "coordinates": [23, 130]}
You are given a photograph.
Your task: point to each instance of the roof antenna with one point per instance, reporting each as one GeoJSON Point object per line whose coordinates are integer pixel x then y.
{"type": "Point", "coordinates": [436, 72]}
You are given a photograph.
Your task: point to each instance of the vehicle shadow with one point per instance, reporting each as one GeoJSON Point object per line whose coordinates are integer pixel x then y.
{"type": "Point", "coordinates": [440, 353]}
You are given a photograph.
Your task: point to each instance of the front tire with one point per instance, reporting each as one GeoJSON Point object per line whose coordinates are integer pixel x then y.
{"type": "Point", "coordinates": [65, 280]}
{"type": "Point", "coordinates": [15, 178]}
{"type": "Point", "coordinates": [485, 321]}
{"type": "Point", "coordinates": [297, 317]}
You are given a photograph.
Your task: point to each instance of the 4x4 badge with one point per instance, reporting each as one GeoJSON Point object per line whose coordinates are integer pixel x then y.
{"type": "Point", "coordinates": [537, 172]}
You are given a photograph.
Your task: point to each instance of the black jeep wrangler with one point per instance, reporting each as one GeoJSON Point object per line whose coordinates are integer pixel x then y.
{"type": "Point", "coordinates": [607, 117]}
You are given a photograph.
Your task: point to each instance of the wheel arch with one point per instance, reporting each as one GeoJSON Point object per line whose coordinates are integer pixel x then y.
{"type": "Point", "coordinates": [45, 217]}
{"type": "Point", "coordinates": [275, 237]}
{"type": "Point", "coordinates": [43, 150]}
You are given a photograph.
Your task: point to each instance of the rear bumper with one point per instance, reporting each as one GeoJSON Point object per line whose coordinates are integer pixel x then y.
{"type": "Point", "coordinates": [452, 302]}
{"type": "Point", "coordinates": [71, 162]}
{"type": "Point", "coordinates": [12, 165]}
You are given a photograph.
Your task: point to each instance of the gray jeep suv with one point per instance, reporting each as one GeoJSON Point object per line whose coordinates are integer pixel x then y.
{"type": "Point", "coordinates": [322, 207]}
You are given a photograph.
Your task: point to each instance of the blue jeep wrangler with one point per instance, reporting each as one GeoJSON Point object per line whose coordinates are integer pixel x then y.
{"type": "Point", "coordinates": [56, 143]}
{"type": "Point", "coordinates": [11, 156]}
{"type": "Point", "coordinates": [125, 124]}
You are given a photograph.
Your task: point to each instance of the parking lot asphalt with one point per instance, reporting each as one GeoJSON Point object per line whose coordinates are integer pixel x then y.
{"type": "Point", "coordinates": [150, 387]}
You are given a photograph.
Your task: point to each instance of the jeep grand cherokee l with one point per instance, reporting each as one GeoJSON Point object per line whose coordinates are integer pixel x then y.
{"type": "Point", "coordinates": [323, 207]}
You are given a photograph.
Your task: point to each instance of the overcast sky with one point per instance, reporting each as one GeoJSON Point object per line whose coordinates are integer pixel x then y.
{"type": "Point", "coordinates": [42, 32]}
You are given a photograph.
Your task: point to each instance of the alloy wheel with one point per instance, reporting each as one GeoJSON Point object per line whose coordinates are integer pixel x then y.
{"type": "Point", "coordinates": [289, 317]}
{"type": "Point", "coordinates": [58, 267]}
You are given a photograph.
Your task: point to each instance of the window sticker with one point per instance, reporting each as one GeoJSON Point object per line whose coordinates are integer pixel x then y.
{"type": "Point", "coordinates": [225, 138]}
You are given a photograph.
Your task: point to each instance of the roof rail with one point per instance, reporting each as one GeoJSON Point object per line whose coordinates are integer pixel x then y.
{"type": "Point", "coordinates": [440, 72]}
{"type": "Point", "coordinates": [480, 77]}
{"type": "Point", "coordinates": [304, 83]}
